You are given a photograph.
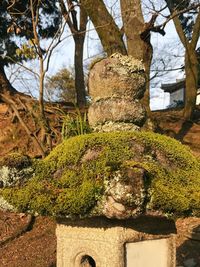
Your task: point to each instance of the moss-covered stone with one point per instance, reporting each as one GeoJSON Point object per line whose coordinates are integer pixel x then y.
{"type": "Point", "coordinates": [86, 175]}
{"type": "Point", "coordinates": [15, 169]}
{"type": "Point", "coordinates": [15, 160]}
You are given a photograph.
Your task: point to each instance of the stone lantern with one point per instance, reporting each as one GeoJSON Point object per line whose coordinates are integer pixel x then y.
{"type": "Point", "coordinates": [112, 189]}
{"type": "Point", "coordinates": [101, 242]}
{"type": "Point", "coordinates": [119, 238]}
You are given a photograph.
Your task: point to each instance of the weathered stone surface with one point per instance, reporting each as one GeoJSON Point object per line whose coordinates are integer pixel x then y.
{"type": "Point", "coordinates": [4, 205]}
{"type": "Point", "coordinates": [194, 232]}
{"type": "Point", "coordinates": [106, 243]}
{"type": "Point", "coordinates": [13, 177]}
{"type": "Point", "coordinates": [113, 209]}
{"type": "Point", "coordinates": [117, 110]}
{"type": "Point", "coordinates": [149, 253]}
{"type": "Point", "coordinates": [116, 84]}
{"type": "Point", "coordinates": [117, 76]}
{"type": "Point", "coordinates": [91, 154]}
{"type": "Point", "coordinates": [124, 195]}
{"type": "Point", "coordinates": [15, 169]}
{"type": "Point", "coordinates": [111, 126]}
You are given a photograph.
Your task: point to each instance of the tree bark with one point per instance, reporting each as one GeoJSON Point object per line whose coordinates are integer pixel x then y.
{"type": "Point", "coordinates": [79, 73]}
{"type": "Point", "coordinates": [138, 39]}
{"type": "Point", "coordinates": [191, 61]}
{"type": "Point", "coordinates": [133, 24]}
{"type": "Point", "coordinates": [5, 86]}
{"type": "Point", "coordinates": [109, 33]}
{"type": "Point", "coordinates": [191, 73]}
{"type": "Point", "coordinates": [79, 39]}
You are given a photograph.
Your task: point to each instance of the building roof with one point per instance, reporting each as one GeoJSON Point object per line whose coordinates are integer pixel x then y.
{"type": "Point", "coordinates": [172, 87]}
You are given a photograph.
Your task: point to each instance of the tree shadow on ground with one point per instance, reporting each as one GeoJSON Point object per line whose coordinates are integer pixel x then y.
{"type": "Point", "coordinates": [185, 128]}
{"type": "Point", "coordinates": [190, 248]}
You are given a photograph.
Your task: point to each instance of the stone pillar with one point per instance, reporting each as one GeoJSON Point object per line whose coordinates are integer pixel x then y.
{"type": "Point", "coordinates": [116, 85]}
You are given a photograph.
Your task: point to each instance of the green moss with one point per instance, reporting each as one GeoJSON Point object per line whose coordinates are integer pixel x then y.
{"type": "Point", "coordinates": [174, 190]}
{"type": "Point", "coordinates": [174, 150]}
{"type": "Point", "coordinates": [15, 160]}
{"type": "Point", "coordinates": [71, 180]}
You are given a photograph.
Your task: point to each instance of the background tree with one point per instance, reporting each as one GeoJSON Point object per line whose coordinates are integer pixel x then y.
{"type": "Point", "coordinates": [109, 33]}
{"type": "Point", "coordinates": [135, 30]}
{"type": "Point", "coordinates": [25, 19]}
{"type": "Point", "coordinates": [187, 25]}
{"type": "Point", "coordinates": [77, 22]}
{"type": "Point", "coordinates": [7, 49]}
{"type": "Point", "coordinates": [139, 37]}
{"type": "Point", "coordinates": [138, 33]}
{"type": "Point", "coordinates": [61, 86]}
{"type": "Point", "coordinates": [8, 94]}
{"type": "Point", "coordinates": [198, 57]}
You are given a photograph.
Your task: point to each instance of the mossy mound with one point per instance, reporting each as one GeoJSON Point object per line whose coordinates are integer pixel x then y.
{"type": "Point", "coordinates": [78, 177]}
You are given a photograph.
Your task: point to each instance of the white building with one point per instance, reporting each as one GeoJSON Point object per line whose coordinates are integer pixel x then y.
{"type": "Point", "coordinates": [198, 97]}
{"type": "Point", "coordinates": [177, 93]}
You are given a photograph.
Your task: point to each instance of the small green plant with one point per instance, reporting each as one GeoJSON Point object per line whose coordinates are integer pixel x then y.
{"type": "Point", "coordinates": [75, 124]}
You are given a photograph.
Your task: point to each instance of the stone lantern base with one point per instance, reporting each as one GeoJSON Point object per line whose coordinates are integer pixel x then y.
{"type": "Point", "coordinates": [100, 242]}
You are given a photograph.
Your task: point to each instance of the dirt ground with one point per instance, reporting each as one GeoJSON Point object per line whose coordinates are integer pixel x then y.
{"type": "Point", "coordinates": [188, 246]}
{"type": "Point", "coordinates": [31, 242]}
{"type": "Point", "coordinates": [35, 247]}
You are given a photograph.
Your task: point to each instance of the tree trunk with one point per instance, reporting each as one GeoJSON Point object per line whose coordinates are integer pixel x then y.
{"type": "Point", "coordinates": [191, 72]}
{"type": "Point", "coordinates": [138, 39]}
{"type": "Point", "coordinates": [79, 39]}
{"type": "Point", "coordinates": [133, 24]}
{"type": "Point", "coordinates": [44, 123]}
{"type": "Point", "coordinates": [109, 33]}
{"type": "Point", "coordinates": [191, 61]}
{"type": "Point", "coordinates": [5, 86]}
{"type": "Point", "coordinates": [79, 73]}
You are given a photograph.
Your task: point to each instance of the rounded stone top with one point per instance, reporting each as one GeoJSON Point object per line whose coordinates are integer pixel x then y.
{"type": "Point", "coordinates": [116, 175]}
{"type": "Point", "coordinates": [117, 76]}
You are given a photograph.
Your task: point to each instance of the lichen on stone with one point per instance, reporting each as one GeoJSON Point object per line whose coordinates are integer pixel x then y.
{"type": "Point", "coordinates": [117, 175]}
{"type": "Point", "coordinates": [15, 169]}
{"type": "Point", "coordinates": [4, 205]}
{"type": "Point", "coordinates": [116, 85]}
{"type": "Point", "coordinates": [129, 63]}
{"type": "Point", "coordinates": [111, 126]}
